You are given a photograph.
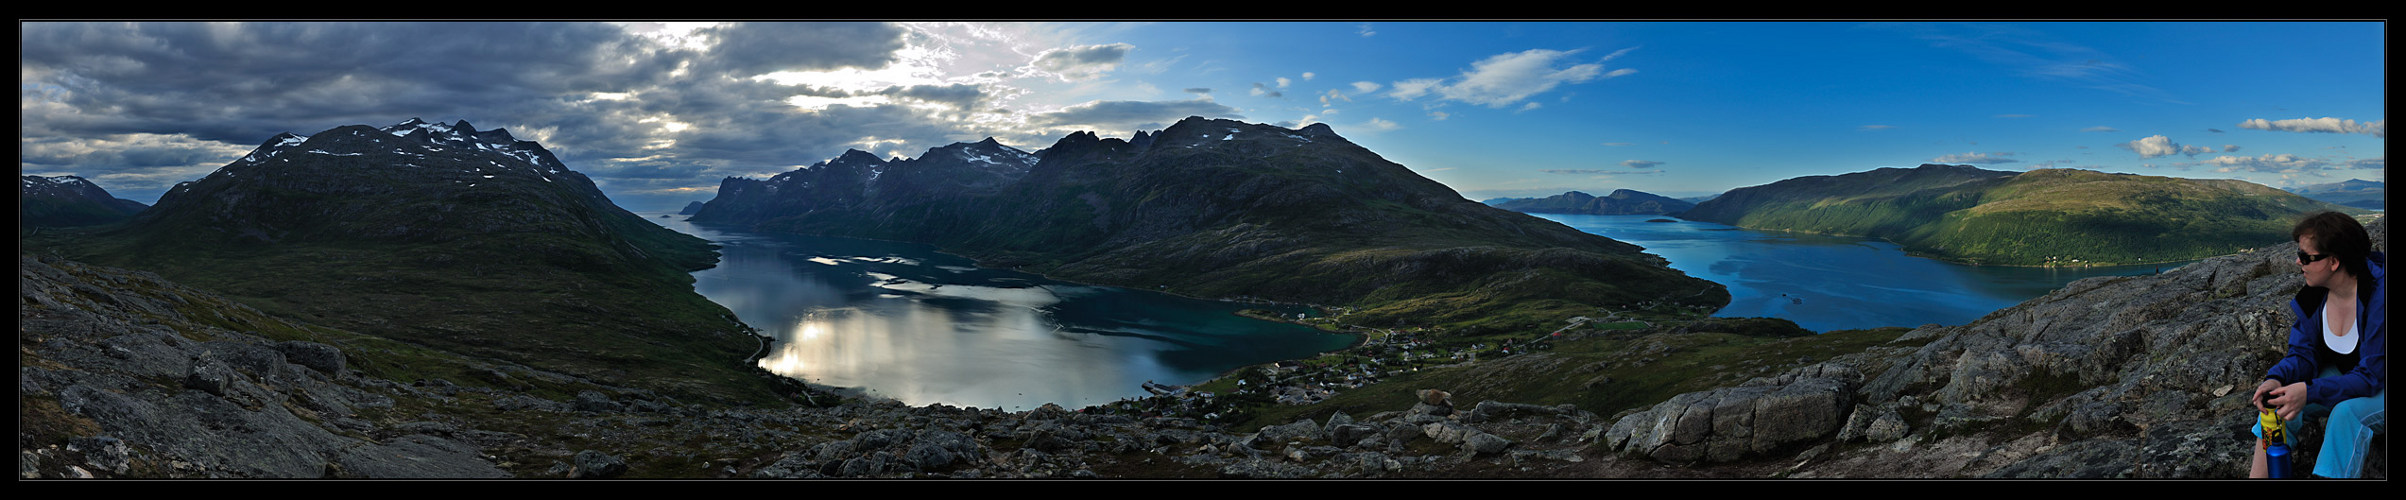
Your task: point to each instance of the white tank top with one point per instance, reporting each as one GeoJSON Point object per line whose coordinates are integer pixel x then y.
{"type": "Point", "coordinates": [2336, 342]}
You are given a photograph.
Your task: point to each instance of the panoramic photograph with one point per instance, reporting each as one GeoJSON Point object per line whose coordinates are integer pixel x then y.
{"type": "Point", "coordinates": [1175, 250]}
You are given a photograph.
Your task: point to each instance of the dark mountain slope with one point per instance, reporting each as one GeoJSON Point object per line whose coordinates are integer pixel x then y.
{"type": "Point", "coordinates": [1218, 208]}
{"type": "Point", "coordinates": [451, 237]}
{"type": "Point", "coordinates": [68, 201]}
{"type": "Point", "coordinates": [1620, 202]}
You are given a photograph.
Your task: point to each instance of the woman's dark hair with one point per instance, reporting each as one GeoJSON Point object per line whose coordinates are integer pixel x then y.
{"type": "Point", "coordinates": [2342, 238]}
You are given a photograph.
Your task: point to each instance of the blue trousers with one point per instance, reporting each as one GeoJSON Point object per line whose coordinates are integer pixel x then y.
{"type": "Point", "coordinates": [2345, 435]}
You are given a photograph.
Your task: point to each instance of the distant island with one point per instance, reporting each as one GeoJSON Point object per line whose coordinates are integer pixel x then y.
{"type": "Point", "coordinates": [2047, 217]}
{"type": "Point", "coordinates": [1620, 202]}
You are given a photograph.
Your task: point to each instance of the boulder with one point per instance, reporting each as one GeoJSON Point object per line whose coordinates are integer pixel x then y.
{"type": "Point", "coordinates": [1763, 416]}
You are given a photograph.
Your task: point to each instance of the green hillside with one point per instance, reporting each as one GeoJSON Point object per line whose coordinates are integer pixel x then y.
{"type": "Point", "coordinates": [2049, 217]}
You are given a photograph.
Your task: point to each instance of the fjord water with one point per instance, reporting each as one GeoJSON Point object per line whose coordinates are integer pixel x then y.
{"type": "Point", "coordinates": [904, 321]}
{"type": "Point", "coordinates": [1826, 283]}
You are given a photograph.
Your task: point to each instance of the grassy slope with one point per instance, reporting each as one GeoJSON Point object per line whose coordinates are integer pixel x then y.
{"type": "Point", "coordinates": [2050, 217]}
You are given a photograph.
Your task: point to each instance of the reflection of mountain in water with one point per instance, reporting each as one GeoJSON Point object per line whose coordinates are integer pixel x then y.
{"type": "Point", "coordinates": [925, 327]}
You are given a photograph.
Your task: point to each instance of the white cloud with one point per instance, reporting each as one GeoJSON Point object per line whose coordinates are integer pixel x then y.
{"type": "Point", "coordinates": [1365, 87]}
{"type": "Point", "coordinates": [1975, 158]}
{"type": "Point", "coordinates": [2154, 146]}
{"type": "Point", "coordinates": [1333, 95]}
{"type": "Point", "coordinates": [2327, 125]}
{"type": "Point", "coordinates": [1505, 79]}
{"type": "Point", "coordinates": [2271, 163]}
{"type": "Point", "coordinates": [1414, 88]}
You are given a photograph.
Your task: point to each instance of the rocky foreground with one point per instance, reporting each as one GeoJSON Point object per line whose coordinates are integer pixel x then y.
{"type": "Point", "coordinates": [2132, 376]}
{"type": "Point", "coordinates": [125, 375]}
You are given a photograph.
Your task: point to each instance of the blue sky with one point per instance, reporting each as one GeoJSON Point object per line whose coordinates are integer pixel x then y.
{"type": "Point", "coordinates": [657, 113]}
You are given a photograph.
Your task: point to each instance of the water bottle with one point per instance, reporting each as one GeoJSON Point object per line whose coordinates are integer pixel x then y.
{"type": "Point", "coordinates": [2276, 445]}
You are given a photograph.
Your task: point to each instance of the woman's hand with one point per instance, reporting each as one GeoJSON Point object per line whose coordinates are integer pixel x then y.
{"type": "Point", "coordinates": [2287, 400]}
{"type": "Point", "coordinates": [2258, 398]}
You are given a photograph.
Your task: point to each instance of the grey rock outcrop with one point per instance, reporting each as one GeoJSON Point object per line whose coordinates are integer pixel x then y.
{"type": "Point", "coordinates": [1763, 415]}
{"type": "Point", "coordinates": [115, 348]}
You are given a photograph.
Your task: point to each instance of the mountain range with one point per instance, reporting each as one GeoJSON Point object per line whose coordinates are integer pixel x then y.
{"type": "Point", "coordinates": [442, 235]}
{"type": "Point", "coordinates": [2046, 217]}
{"type": "Point", "coordinates": [2357, 193]}
{"type": "Point", "coordinates": [1223, 209]}
{"type": "Point", "coordinates": [1620, 202]}
{"type": "Point", "coordinates": [69, 201]}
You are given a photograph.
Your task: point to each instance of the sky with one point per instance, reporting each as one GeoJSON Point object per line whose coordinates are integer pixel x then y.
{"type": "Point", "coordinates": [657, 113]}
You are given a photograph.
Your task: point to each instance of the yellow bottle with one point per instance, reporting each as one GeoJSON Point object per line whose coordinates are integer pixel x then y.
{"type": "Point", "coordinates": [2276, 445]}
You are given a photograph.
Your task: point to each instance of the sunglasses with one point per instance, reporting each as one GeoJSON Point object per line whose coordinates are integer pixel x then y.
{"type": "Point", "coordinates": [2307, 258]}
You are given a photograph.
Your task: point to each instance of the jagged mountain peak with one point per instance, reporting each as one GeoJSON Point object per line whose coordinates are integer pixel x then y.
{"type": "Point", "coordinates": [418, 138]}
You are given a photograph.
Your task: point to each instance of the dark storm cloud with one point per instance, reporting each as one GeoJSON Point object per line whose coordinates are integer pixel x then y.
{"type": "Point", "coordinates": [242, 83]}
{"type": "Point", "coordinates": [145, 105]}
{"type": "Point", "coordinates": [1081, 62]}
{"type": "Point", "coordinates": [959, 96]}
{"type": "Point", "coordinates": [748, 49]}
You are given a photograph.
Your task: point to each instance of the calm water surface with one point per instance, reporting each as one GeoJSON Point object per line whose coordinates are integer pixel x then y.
{"type": "Point", "coordinates": [1828, 283]}
{"type": "Point", "coordinates": [904, 321]}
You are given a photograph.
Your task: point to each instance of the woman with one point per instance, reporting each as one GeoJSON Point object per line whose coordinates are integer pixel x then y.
{"type": "Point", "coordinates": [2338, 349]}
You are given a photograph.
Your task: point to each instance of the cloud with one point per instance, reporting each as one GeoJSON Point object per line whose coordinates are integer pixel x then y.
{"type": "Point", "coordinates": [1263, 90]}
{"type": "Point", "coordinates": [1975, 158]}
{"type": "Point", "coordinates": [1083, 62]}
{"type": "Point", "coordinates": [2154, 146]}
{"type": "Point", "coordinates": [2326, 125]}
{"type": "Point", "coordinates": [1506, 79]}
{"type": "Point", "coordinates": [2036, 55]}
{"type": "Point", "coordinates": [140, 106]}
{"type": "Point", "coordinates": [2273, 163]}
{"type": "Point", "coordinates": [1875, 127]}
{"type": "Point", "coordinates": [1332, 96]}
{"type": "Point", "coordinates": [2100, 128]}
{"type": "Point", "coordinates": [749, 49]}
{"type": "Point", "coordinates": [958, 96]}
{"type": "Point", "coordinates": [1640, 163]}
{"type": "Point", "coordinates": [1364, 29]}
{"type": "Point", "coordinates": [1198, 90]}
{"type": "Point", "coordinates": [1131, 115]}
{"type": "Point", "coordinates": [216, 81]}
{"type": "Point", "coordinates": [1365, 87]}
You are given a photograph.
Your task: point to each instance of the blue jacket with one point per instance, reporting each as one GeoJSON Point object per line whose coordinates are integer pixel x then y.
{"type": "Point", "coordinates": [2305, 339]}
